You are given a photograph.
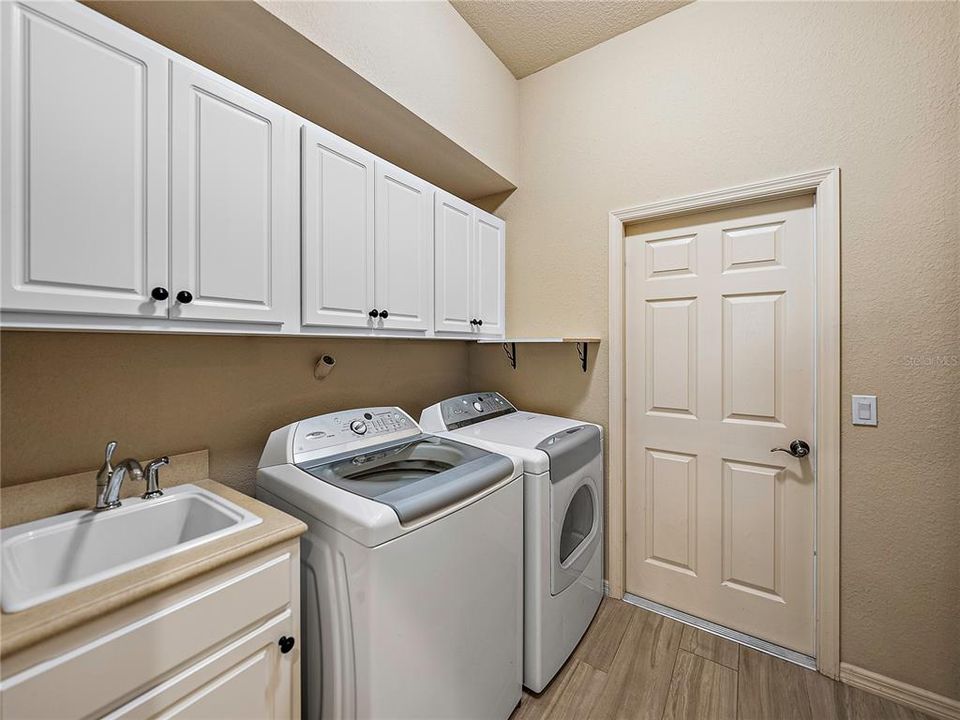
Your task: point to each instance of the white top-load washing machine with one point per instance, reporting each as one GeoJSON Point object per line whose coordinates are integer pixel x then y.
{"type": "Point", "coordinates": [411, 571]}
{"type": "Point", "coordinates": [563, 513]}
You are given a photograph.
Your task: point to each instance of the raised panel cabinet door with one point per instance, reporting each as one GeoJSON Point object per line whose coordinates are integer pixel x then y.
{"type": "Point", "coordinates": [248, 679]}
{"type": "Point", "coordinates": [453, 245]}
{"type": "Point", "coordinates": [404, 249]}
{"type": "Point", "coordinates": [234, 206]}
{"type": "Point", "coordinates": [720, 369]}
{"type": "Point", "coordinates": [84, 148]}
{"type": "Point", "coordinates": [337, 231]}
{"type": "Point", "coordinates": [489, 232]}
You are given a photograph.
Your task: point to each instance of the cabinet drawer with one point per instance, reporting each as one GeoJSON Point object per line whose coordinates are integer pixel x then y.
{"type": "Point", "coordinates": [113, 667]}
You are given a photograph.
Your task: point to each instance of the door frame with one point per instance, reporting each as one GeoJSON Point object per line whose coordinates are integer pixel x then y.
{"type": "Point", "coordinates": [824, 185]}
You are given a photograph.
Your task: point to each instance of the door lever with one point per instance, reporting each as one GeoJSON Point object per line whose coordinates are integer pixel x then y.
{"type": "Point", "coordinates": [798, 448]}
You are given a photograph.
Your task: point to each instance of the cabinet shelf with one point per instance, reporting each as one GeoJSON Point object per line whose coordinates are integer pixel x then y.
{"type": "Point", "coordinates": [510, 346]}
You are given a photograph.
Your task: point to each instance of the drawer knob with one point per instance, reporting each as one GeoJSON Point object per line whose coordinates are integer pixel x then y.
{"type": "Point", "coordinates": [286, 644]}
{"type": "Point", "coordinates": [185, 297]}
{"type": "Point", "coordinates": [159, 293]}
{"type": "Point", "coordinates": [384, 314]}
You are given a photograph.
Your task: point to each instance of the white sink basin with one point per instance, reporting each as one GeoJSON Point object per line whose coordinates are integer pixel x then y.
{"type": "Point", "coordinates": [47, 558]}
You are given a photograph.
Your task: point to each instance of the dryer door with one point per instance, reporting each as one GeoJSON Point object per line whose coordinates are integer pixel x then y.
{"type": "Point", "coordinates": [576, 502]}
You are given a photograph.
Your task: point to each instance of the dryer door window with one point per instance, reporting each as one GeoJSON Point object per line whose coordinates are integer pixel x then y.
{"type": "Point", "coordinates": [577, 523]}
{"type": "Point", "coordinates": [575, 507]}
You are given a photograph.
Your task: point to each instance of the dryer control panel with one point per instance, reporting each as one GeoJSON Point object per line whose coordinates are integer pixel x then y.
{"type": "Point", "coordinates": [466, 410]}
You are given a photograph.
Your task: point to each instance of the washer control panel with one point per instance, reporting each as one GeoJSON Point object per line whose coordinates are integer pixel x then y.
{"type": "Point", "coordinates": [466, 410]}
{"type": "Point", "coordinates": [379, 424]}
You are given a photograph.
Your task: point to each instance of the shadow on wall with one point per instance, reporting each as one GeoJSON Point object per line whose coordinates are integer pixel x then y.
{"type": "Point", "coordinates": [64, 395]}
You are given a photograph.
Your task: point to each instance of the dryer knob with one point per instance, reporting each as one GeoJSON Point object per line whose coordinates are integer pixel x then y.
{"type": "Point", "coordinates": [359, 427]}
{"type": "Point", "coordinates": [478, 407]}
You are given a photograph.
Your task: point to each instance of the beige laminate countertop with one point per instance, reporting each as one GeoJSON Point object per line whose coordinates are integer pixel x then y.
{"type": "Point", "coordinates": [28, 627]}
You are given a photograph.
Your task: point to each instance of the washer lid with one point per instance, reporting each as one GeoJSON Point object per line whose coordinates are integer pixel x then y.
{"type": "Point", "coordinates": [415, 477]}
{"type": "Point", "coordinates": [522, 432]}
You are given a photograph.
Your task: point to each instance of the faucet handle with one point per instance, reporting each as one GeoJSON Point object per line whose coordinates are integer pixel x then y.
{"type": "Point", "coordinates": [152, 473]}
{"type": "Point", "coordinates": [108, 453]}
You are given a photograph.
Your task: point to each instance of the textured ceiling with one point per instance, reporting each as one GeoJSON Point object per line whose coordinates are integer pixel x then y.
{"type": "Point", "coordinates": [529, 35]}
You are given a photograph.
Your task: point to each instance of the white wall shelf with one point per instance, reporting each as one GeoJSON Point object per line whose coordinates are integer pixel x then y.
{"type": "Point", "coordinates": [510, 346]}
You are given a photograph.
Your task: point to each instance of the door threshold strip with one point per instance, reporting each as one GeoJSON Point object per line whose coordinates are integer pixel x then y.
{"type": "Point", "coordinates": [724, 632]}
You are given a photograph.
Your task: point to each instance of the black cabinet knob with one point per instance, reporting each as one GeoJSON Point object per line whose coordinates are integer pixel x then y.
{"type": "Point", "coordinates": [473, 321]}
{"type": "Point", "coordinates": [384, 314]}
{"type": "Point", "coordinates": [159, 293]}
{"type": "Point", "coordinates": [185, 297]}
{"type": "Point", "coordinates": [373, 313]}
{"type": "Point", "coordinates": [286, 644]}
{"type": "Point", "coordinates": [479, 323]}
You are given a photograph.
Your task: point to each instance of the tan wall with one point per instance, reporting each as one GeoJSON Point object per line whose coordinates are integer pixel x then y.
{"type": "Point", "coordinates": [425, 56]}
{"type": "Point", "coordinates": [247, 44]}
{"type": "Point", "coordinates": [64, 395]}
{"type": "Point", "coordinates": [721, 94]}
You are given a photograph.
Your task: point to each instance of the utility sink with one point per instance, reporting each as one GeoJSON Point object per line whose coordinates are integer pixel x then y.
{"type": "Point", "coordinates": [48, 558]}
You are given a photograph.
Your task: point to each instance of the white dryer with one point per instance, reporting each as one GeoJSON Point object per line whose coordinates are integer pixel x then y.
{"type": "Point", "coordinates": [411, 575]}
{"type": "Point", "coordinates": [563, 517]}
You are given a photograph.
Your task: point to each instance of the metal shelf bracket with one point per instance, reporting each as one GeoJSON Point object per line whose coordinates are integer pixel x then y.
{"type": "Point", "coordinates": [582, 352]}
{"type": "Point", "coordinates": [510, 349]}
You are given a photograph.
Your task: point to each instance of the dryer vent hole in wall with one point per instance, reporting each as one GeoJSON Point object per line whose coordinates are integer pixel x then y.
{"type": "Point", "coordinates": [324, 366]}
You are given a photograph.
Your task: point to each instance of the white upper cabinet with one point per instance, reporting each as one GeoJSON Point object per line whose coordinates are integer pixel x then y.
{"type": "Point", "coordinates": [489, 261]}
{"type": "Point", "coordinates": [469, 269]}
{"type": "Point", "coordinates": [338, 231]}
{"type": "Point", "coordinates": [84, 166]}
{"type": "Point", "coordinates": [234, 202]}
{"type": "Point", "coordinates": [403, 249]}
{"type": "Point", "coordinates": [453, 242]}
{"type": "Point", "coordinates": [140, 191]}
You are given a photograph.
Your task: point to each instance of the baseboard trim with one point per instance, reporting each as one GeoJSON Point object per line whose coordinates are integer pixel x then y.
{"type": "Point", "coordinates": [925, 701]}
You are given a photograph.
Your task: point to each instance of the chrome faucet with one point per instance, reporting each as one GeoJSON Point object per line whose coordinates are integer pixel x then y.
{"type": "Point", "coordinates": [110, 478]}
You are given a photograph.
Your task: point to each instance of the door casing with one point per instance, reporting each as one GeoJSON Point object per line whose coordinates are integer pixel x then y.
{"type": "Point", "coordinates": [824, 185]}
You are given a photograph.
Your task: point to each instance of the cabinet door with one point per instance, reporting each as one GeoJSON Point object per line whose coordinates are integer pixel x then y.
{"type": "Point", "coordinates": [234, 202]}
{"type": "Point", "coordinates": [488, 273]}
{"type": "Point", "coordinates": [404, 249]}
{"type": "Point", "coordinates": [84, 147]}
{"type": "Point", "coordinates": [338, 229]}
{"type": "Point", "coordinates": [249, 679]}
{"type": "Point", "coordinates": [454, 257]}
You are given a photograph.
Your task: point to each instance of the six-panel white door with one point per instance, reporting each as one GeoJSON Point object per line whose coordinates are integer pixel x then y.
{"type": "Point", "coordinates": [403, 276]}
{"type": "Point", "coordinates": [720, 369]}
{"type": "Point", "coordinates": [338, 231]}
{"type": "Point", "coordinates": [454, 244]}
{"type": "Point", "coordinates": [233, 166]}
{"type": "Point", "coordinates": [488, 274]}
{"type": "Point", "coordinates": [85, 164]}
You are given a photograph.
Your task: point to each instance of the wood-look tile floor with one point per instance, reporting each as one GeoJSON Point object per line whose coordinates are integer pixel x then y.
{"type": "Point", "coordinates": [633, 664]}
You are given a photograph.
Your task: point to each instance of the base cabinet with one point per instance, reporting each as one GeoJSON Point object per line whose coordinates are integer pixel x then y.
{"type": "Point", "coordinates": [208, 649]}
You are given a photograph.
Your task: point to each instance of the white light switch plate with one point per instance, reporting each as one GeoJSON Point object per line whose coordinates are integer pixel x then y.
{"type": "Point", "coordinates": [864, 409]}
